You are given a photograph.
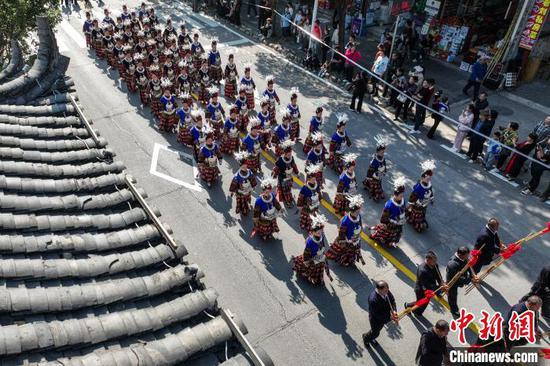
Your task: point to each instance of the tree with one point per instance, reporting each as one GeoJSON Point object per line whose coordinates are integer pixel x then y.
{"type": "Point", "coordinates": [340, 18]}
{"type": "Point", "coordinates": [19, 18]}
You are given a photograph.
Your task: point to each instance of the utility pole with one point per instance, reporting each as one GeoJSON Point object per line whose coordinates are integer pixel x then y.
{"type": "Point", "coordinates": [341, 6]}
{"type": "Point", "coordinates": [394, 34]}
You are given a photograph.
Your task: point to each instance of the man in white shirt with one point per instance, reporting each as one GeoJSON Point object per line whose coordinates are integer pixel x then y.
{"type": "Point", "coordinates": [379, 68]}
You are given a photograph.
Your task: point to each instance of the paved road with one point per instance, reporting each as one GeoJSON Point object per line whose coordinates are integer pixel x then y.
{"type": "Point", "coordinates": [298, 324]}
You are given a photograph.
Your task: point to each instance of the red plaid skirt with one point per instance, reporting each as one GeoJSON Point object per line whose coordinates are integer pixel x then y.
{"type": "Point", "coordinates": [208, 174]}
{"type": "Point", "coordinates": [250, 101]}
{"type": "Point", "coordinates": [88, 39]}
{"type": "Point", "coordinates": [144, 96]}
{"type": "Point", "coordinates": [386, 233]}
{"type": "Point", "coordinates": [416, 216]}
{"type": "Point", "coordinates": [305, 218]}
{"type": "Point", "coordinates": [335, 162]}
{"type": "Point", "coordinates": [265, 228]}
{"type": "Point", "coordinates": [284, 192]}
{"type": "Point", "coordinates": [229, 89]}
{"type": "Point", "coordinates": [308, 145]}
{"type": "Point", "coordinates": [120, 68]}
{"type": "Point", "coordinates": [167, 122]}
{"type": "Point", "coordinates": [197, 63]}
{"type": "Point", "coordinates": [254, 164]}
{"type": "Point", "coordinates": [343, 253]}
{"type": "Point", "coordinates": [99, 50]}
{"type": "Point", "coordinates": [374, 186]}
{"type": "Point", "coordinates": [130, 82]}
{"type": "Point", "coordinates": [242, 204]}
{"type": "Point", "coordinates": [243, 123]}
{"type": "Point", "coordinates": [217, 127]}
{"type": "Point", "coordinates": [272, 115]}
{"type": "Point", "coordinates": [215, 73]}
{"type": "Point", "coordinates": [162, 58]}
{"type": "Point", "coordinates": [294, 130]}
{"type": "Point", "coordinates": [229, 144]}
{"type": "Point", "coordinates": [312, 272]}
{"type": "Point", "coordinates": [340, 204]}
{"type": "Point", "coordinates": [184, 136]}
{"type": "Point", "coordinates": [156, 107]}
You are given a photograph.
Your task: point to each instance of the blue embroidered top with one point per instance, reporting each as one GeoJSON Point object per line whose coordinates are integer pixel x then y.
{"type": "Point", "coordinates": [294, 111]}
{"type": "Point", "coordinates": [396, 211]}
{"type": "Point", "coordinates": [263, 205]}
{"type": "Point", "coordinates": [214, 58]}
{"type": "Point", "coordinates": [252, 144]}
{"type": "Point", "coordinates": [264, 118]}
{"type": "Point", "coordinates": [315, 124]}
{"type": "Point", "coordinates": [185, 116]}
{"type": "Point", "coordinates": [313, 157]}
{"type": "Point", "coordinates": [282, 133]}
{"type": "Point", "coordinates": [352, 226]}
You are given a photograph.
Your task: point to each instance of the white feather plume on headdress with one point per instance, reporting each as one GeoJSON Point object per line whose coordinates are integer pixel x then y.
{"type": "Point", "coordinates": [165, 82]}
{"type": "Point", "coordinates": [349, 158]}
{"type": "Point", "coordinates": [248, 66]}
{"type": "Point", "coordinates": [269, 78]}
{"type": "Point", "coordinates": [242, 87]}
{"type": "Point", "coordinates": [207, 129]}
{"type": "Point", "coordinates": [342, 117]}
{"type": "Point", "coordinates": [286, 144]}
{"type": "Point", "coordinates": [214, 39]}
{"type": "Point", "coordinates": [268, 183]}
{"type": "Point", "coordinates": [213, 90]}
{"type": "Point", "coordinates": [168, 52]}
{"type": "Point", "coordinates": [381, 140]}
{"type": "Point", "coordinates": [153, 67]}
{"type": "Point", "coordinates": [314, 168]}
{"type": "Point", "coordinates": [399, 181]}
{"type": "Point", "coordinates": [427, 165]}
{"type": "Point", "coordinates": [317, 137]}
{"type": "Point", "coordinates": [197, 113]}
{"type": "Point", "coordinates": [240, 156]}
{"type": "Point", "coordinates": [185, 96]}
{"type": "Point", "coordinates": [284, 112]}
{"type": "Point", "coordinates": [140, 34]}
{"type": "Point", "coordinates": [138, 57]}
{"type": "Point", "coordinates": [172, 37]}
{"type": "Point", "coordinates": [294, 91]}
{"type": "Point", "coordinates": [151, 42]}
{"type": "Point", "coordinates": [264, 99]}
{"type": "Point", "coordinates": [355, 200]}
{"type": "Point", "coordinates": [318, 220]}
{"type": "Point", "coordinates": [253, 122]}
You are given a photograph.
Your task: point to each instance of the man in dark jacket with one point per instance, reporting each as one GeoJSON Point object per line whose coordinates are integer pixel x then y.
{"type": "Point", "coordinates": [480, 103]}
{"type": "Point", "coordinates": [476, 77]}
{"type": "Point", "coordinates": [428, 277]}
{"type": "Point", "coordinates": [433, 345]}
{"type": "Point", "coordinates": [455, 265]}
{"type": "Point", "coordinates": [358, 91]}
{"type": "Point", "coordinates": [423, 96]}
{"type": "Point", "coordinates": [532, 303]}
{"type": "Point", "coordinates": [541, 288]}
{"type": "Point", "coordinates": [488, 243]}
{"type": "Point", "coordinates": [484, 127]}
{"type": "Point", "coordinates": [382, 310]}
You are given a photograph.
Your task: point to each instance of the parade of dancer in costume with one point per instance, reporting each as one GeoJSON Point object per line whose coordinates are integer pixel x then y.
{"type": "Point", "coordinates": [338, 144]}
{"type": "Point", "coordinates": [312, 264]}
{"type": "Point", "coordinates": [215, 114]}
{"type": "Point", "coordinates": [294, 114]}
{"type": "Point", "coordinates": [168, 119]}
{"type": "Point", "coordinates": [377, 170]}
{"type": "Point", "coordinates": [242, 185]}
{"type": "Point", "coordinates": [197, 50]}
{"type": "Point", "coordinates": [266, 208]}
{"type": "Point", "coordinates": [230, 135]}
{"type": "Point", "coordinates": [283, 171]}
{"type": "Point", "coordinates": [420, 197]}
{"type": "Point", "coordinates": [204, 82]}
{"type": "Point", "coordinates": [155, 93]}
{"type": "Point", "coordinates": [241, 103]}
{"type": "Point", "coordinates": [317, 155]}
{"type": "Point", "coordinates": [208, 159]}
{"type": "Point", "coordinates": [314, 126]}
{"type": "Point", "coordinates": [388, 231]}
{"type": "Point", "coordinates": [248, 82]}
{"type": "Point", "coordinates": [141, 80]}
{"type": "Point", "coordinates": [198, 131]}
{"type": "Point", "coordinates": [347, 184]}
{"type": "Point", "coordinates": [281, 133]}
{"type": "Point", "coordinates": [252, 143]}
{"type": "Point", "coordinates": [186, 120]}
{"type": "Point", "coordinates": [346, 248]}
{"type": "Point", "coordinates": [309, 198]}
{"type": "Point", "coordinates": [273, 99]}
{"type": "Point", "coordinates": [215, 63]}
{"type": "Point", "coordinates": [231, 76]}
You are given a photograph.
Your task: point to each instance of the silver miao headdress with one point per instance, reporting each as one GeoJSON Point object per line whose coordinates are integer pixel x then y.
{"type": "Point", "coordinates": [287, 144]}
{"type": "Point", "coordinates": [213, 90]}
{"type": "Point", "coordinates": [381, 141]}
{"type": "Point", "coordinates": [317, 137]}
{"type": "Point", "coordinates": [284, 112]}
{"type": "Point", "coordinates": [355, 201]}
{"type": "Point", "coordinates": [197, 113]}
{"type": "Point", "coordinates": [318, 221]}
{"type": "Point", "coordinates": [314, 169]}
{"type": "Point", "coordinates": [268, 183]}
{"type": "Point", "coordinates": [264, 100]}
{"type": "Point", "coordinates": [294, 92]}
{"type": "Point", "coordinates": [241, 156]}
{"type": "Point", "coordinates": [349, 158]}
{"type": "Point", "coordinates": [342, 118]}
{"type": "Point", "coordinates": [253, 122]}
{"type": "Point", "coordinates": [247, 66]}
{"type": "Point", "coordinates": [427, 165]}
{"type": "Point", "coordinates": [165, 83]}
{"type": "Point", "coordinates": [399, 183]}
{"type": "Point", "coordinates": [269, 78]}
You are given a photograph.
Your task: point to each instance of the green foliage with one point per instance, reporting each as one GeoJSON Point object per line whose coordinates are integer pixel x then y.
{"type": "Point", "coordinates": [18, 18]}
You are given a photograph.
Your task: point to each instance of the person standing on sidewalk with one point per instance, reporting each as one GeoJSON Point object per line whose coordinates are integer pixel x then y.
{"type": "Point", "coordinates": [285, 20]}
{"type": "Point", "coordinates": [382, 310]}
{"type": "Point", "coordinates": [465, 119]}
{"type": "Point", "coordinates": [476, 76]}
{"type": "Point", "coordinates": [359, 88]}
{"type": "Point", "coordinates": [480, 103]}
{"type": "Point", "coordinates": [317, 32]}
{"type": "Point", "coordinates": [483, 127]}
{"type": "Point", "coordinates": [402, 102]}
{"type": "Point", "coordinates": [509, 138]}
{"type": "Point", "coordinates": [379, 68]}
{"type": "Point", "coordinates": [441, 105]}
{"type": "Point", "coordinates": [353, 55]}
{"type": "Point", "coordinates": [542, 155]}
{"type": "Point", "coordinates": [263, 14]}
{"type": "Point", "coordinates": [423, 97]}
{"type": "Point", "coordinates": [542, 129]}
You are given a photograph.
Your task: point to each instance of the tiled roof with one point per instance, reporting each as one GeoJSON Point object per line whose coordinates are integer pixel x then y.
{"type": "Point", "coordinates": [88, 274]}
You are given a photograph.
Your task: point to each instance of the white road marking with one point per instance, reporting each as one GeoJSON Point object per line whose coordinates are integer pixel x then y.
{"type": "Point", "coordinates": [234, 43]}
{"type": "Point", "coordinates": [196, 186]}
{"type": "Point", "coordinates": [61, 44]}
{"type": "Point", "coordinates": [450, 149]}
{"type": "Point", "coordinates": [73, 34]}
{"type": "Point", "coordinates": [494, 172]}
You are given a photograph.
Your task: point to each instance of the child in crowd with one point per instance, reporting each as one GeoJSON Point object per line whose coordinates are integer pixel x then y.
{"type": "Point", "coordinates": [493, 151]}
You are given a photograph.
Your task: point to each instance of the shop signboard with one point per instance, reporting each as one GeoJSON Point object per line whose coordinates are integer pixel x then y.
{"type": "Point", "coordinates": [534, 24]}
{"type": "Point", "coordinates": [356, 26]}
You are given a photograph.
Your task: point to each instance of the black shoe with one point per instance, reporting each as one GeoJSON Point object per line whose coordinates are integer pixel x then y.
{"type": "Point", "coordinates": [455, 314]}
{"type": "Point", "coordinates": [365, 339]}
{"type": "Point", "coordinates": [374, 342]}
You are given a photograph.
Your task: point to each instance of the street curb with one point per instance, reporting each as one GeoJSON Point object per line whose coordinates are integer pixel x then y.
{"type": "Point", "coordinates": [526, 102]}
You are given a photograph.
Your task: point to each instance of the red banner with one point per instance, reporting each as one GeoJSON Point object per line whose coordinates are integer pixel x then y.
{"type": "Point", "coordinates": [534, 24]}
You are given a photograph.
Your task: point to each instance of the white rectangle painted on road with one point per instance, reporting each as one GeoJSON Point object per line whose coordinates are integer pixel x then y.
{"type": "Point", "coordinates": [494, 173]}
{"type": "Point", "coordinates": [450, 149]}
{"type": "Point", "coordinates": [195, 186]}
{"type": "Point", "coordinates": [73, 34]}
